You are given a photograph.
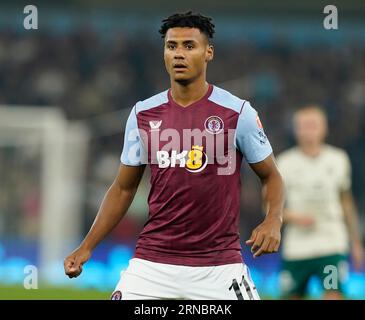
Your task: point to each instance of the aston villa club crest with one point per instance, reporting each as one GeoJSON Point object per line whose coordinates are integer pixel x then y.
{"type": "Point", "coordinates": [214, 125]}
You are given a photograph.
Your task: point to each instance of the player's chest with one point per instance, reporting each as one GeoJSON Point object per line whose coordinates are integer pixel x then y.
{"type": "Point", "coordinates": [179, 126]}
{"type": "Point", "coordinates": [176, 135]}
{"type": "Point", "coordinates": [205, 118]}
{"type": "Point", "coordinates": [316, 176]}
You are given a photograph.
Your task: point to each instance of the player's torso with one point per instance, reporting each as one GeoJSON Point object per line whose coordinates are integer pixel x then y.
{"type": "Point", "coordinates": [313, 189]}
{"type": "Point", "coordinates": [195, 176]}
{"type": "Point", "coordinates": [313, 184]}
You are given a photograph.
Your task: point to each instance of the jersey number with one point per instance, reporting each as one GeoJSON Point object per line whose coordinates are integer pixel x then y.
{"type": "Point", "coordinates": [236, 287]}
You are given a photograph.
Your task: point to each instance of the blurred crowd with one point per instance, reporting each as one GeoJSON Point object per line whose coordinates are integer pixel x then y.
{"type": "Point", "coordinates": [89, 74]}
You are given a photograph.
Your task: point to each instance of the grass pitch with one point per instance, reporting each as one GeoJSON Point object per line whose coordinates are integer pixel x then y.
{"type": "Point", "coordinates": [49, 293]}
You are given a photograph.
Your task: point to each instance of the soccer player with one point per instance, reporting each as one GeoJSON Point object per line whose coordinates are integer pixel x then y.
{"type": "Point", "coordinates": [194, 137]}
{"type": "Point", "coordinates": [320, 216]}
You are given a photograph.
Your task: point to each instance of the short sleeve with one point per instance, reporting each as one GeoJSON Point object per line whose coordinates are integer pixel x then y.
{"type": "Point", "coordinates": [345, 183]}
{"type": "Point", "coordinates": [251, 139]}
{"type": "Point", "coordinates": [133, 153]}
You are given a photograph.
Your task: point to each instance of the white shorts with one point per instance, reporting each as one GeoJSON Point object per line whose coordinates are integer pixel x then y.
{"type": "Point", "coordinates": [144, 279]}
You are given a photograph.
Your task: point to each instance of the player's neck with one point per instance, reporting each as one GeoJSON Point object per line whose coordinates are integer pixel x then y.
{"type": "Point", "coordinates": [187, 94]}
{"type": "Point", "coordinates": [311, 150]}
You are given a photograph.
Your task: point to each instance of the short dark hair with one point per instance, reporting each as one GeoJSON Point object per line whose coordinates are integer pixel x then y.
{"type": "Point", "coordinates": [188, 20]}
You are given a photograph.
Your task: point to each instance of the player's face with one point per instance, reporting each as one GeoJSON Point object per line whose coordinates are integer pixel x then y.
{"type": "Point", "coordinates": [186, 53]}
{"type": "Point", "coordinates": [310, 127]}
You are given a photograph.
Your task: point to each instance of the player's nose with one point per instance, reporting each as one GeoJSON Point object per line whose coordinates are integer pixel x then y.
{"type": "Point", "coordinates": [179, 54]}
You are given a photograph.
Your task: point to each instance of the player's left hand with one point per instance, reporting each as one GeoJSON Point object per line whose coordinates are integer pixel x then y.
{"type": "Point", "coordinates": [266, 237]}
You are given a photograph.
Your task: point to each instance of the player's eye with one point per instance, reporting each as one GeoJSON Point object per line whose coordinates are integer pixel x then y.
{"type": "Point", "coordinates": [189, 46]}
{"type": "Point", "coordinates": [170, 46]}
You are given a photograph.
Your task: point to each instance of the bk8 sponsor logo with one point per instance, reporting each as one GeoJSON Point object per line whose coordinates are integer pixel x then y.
{"type": "Point", "coordinates": [194, 160]}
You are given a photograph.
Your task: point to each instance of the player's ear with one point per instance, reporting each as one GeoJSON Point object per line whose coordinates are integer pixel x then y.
{"type": "Point", "coordinates": [209, 53]}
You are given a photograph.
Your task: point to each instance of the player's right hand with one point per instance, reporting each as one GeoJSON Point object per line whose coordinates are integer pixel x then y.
{"type": "Point", "coordinates": [74, 262]}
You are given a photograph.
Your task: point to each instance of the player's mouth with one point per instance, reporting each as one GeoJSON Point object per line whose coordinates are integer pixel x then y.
{"type": "Point", "coordinates": [179, 67]}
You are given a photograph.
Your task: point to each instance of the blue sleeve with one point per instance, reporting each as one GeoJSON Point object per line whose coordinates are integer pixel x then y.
{"type": "Point", "coordinates": [250, 138]}
{"type": "Point", "coordinates": [133, 153]}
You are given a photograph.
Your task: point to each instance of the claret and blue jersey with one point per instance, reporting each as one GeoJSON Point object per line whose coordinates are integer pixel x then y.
{"type": "Point", "coordinates": [195, 154]}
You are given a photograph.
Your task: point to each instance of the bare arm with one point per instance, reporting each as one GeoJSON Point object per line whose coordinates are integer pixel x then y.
{"type": "Point", "coordinates": [352, 223]}
{"type": "Point", "coordinates": [113, 208]}
{"type": "Point", "coordinates": [266, 237]}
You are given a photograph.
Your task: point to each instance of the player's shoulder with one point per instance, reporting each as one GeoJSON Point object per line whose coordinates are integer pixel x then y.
{"type": "Point", "coordinates": [152, 102]}
{"type": "Point", "coordinates": [226, 99]}
{"type": "Point", "coordinates": [288, 155]}
{"type": "Point", "coordinates": [335, 152]}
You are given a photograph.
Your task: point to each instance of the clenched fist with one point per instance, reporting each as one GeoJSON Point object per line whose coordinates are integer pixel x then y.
{"type": "Point", "coordinates": [74, 262]}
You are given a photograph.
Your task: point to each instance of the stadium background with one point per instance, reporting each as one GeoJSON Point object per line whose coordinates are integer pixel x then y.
{"type": "Point", "coordinates": [90, 61]}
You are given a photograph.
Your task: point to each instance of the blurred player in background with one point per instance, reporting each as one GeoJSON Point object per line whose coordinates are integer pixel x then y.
{"type": "Point", "coordinates": [320, 215]}
{"type": "Point", "coordinates": [190, 245]}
